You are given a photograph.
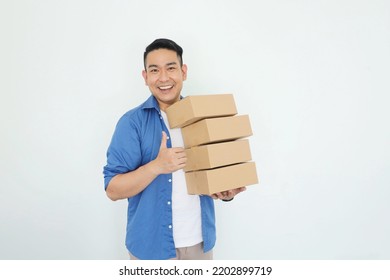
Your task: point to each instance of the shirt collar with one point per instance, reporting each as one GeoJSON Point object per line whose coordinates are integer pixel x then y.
{"type": "Point", "coordinates": [151, 103]}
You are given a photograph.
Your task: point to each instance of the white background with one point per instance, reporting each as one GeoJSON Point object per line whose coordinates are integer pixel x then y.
{"type": "Point", "coordinates": [312, 75]}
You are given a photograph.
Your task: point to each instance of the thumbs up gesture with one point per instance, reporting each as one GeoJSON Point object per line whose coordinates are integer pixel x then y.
{"type": "Point", "coordinates": [163, 141]}
{"type": "Point", "coordinates": [170, 159]}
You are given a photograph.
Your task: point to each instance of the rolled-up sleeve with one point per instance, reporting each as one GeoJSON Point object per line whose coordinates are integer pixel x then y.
{"type": "Point", "coordinates": [124, 152]}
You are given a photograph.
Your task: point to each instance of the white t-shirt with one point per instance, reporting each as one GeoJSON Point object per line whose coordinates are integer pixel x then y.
{"type": "Point", "coordinates": [186, 213]}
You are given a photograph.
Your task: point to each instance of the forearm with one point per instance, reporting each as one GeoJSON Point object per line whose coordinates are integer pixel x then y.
{"type": "Point", "coordinates": [130, 184]}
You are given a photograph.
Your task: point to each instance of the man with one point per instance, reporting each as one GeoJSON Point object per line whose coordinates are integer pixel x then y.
{"type": "Point", "coordinates": [144, 165]}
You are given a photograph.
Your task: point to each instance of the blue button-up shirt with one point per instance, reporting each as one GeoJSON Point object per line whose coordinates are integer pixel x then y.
{"type": "Point", "coordinates": [136, 141]}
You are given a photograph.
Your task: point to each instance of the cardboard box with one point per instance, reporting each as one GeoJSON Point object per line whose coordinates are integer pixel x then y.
{"type": "Point", "coordinates": [221, 179]}
{"type": "Point", "coordinates": [194, 108]}
{"type": "Point", "coordinates": [216, 130]}
{"type": "Point", "coordinates": [217, 155]}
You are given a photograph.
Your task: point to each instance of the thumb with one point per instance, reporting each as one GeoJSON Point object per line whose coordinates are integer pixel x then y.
{"type": "Point", "coordinates": [163, 141]}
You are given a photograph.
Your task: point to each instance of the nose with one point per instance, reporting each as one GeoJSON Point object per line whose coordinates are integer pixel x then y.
{"type": "Point", "coordinates": [163, 76]}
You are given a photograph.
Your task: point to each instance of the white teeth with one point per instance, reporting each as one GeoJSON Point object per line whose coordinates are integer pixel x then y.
{"type": "Point", "coordinates": [166, 87]}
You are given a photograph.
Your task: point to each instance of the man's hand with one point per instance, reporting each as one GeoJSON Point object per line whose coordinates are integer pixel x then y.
{"type": "Point", "coordinates": [133, 182]}
{"type": "Point", "coordinates": [169, 159]}
{"type": "Point", "coordinates": [228, 195]}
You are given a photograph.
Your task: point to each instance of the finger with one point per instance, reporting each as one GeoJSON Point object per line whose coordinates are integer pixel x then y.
{"type": "Point", "coordinates": [237, 191]}
{"type": "Point", "coordinates": [181, 156]}
{"type": "Point", "coordinates": [219, 195]}
{"type": "Point", "coordinates": [163, 141]}
{"type": "Point", "coordinates": [178, 150]}
{"type": "Point", "coordinates": [181, 161]}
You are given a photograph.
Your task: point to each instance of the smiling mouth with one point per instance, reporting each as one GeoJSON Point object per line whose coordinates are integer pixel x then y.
{"type": "Point", "coordinates": [165, 87]}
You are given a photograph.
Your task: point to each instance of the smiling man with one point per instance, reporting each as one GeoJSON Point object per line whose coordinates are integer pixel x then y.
{"type": "Point", "coordinates": [164, 75]}
{"type": "Point", "coordinates": [145, 163]}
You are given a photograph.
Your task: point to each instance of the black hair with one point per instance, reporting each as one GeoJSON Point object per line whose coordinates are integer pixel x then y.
{"type": "Point", "coordinates": [164, 44]}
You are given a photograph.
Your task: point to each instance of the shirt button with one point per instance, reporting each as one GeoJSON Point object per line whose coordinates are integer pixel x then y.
{"type": "Point", "coordinates": [170, 180]}
{"type": "Point", "coordinates": [167, 137]}
{"type": "Point", "coordinates": [170, 226]}
{"type": "Point", "coordinates": [169, 203]}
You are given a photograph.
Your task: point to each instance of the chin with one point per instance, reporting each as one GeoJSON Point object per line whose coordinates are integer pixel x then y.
{"type": "Point", "coordinates": [168, 97]}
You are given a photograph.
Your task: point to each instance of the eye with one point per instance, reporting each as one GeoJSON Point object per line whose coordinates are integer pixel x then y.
{"type": "Point", "coordinates": [171, 68]}
{"type": "Point", "coordinates": [153, 70]}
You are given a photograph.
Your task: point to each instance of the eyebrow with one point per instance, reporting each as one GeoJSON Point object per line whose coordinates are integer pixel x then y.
{"type": "Point", "coordinates": [168, 64]}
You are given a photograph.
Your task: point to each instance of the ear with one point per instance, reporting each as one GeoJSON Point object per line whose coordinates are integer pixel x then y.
{"type": "Point", "coordinates": [145, 75]}
{"type": "Point", "coordinates": [184, 69]}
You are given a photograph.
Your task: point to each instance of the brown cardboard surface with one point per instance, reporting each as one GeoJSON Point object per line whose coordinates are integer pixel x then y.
{"type": "Point", "coordinates": [221, 179]}
{"type": "Point", "coordinates": [216, 130]}
{"type": "Point", "coordinates": [196, 107]}
{"type": "Point", "coordinates": [216, 155]}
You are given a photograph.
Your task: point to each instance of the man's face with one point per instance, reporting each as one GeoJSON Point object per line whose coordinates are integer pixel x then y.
{"type": "Point", "coordinates": [164, 76]}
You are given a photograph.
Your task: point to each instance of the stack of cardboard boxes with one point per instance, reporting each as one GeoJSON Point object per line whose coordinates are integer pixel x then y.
{"type": "Point", "coordinates": [216, 160]}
